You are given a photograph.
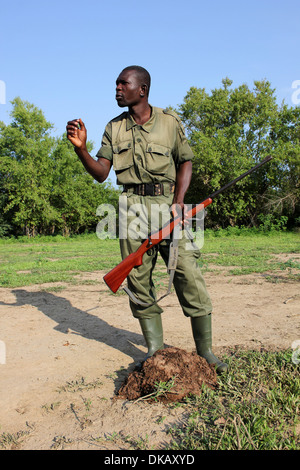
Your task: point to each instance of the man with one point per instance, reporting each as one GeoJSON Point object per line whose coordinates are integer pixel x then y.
{"type": "Point", "coordinates": [150, 154]}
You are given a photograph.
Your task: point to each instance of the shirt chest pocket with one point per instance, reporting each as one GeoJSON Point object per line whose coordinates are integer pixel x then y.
{"type": "Point", "coordinates": [122, 155]}
{"type": "Point", "coordinates": [158, 158]}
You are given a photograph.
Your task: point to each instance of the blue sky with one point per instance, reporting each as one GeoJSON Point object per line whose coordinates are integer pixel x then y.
{"type": "Point", "coordinates": [64, 57]}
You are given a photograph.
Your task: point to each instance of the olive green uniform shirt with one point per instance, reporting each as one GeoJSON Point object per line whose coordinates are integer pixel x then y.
{"type": "Point", "coordinates": [149, 153]}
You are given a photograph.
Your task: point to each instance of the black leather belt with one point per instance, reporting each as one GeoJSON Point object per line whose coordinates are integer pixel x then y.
{"type": "Point", "coordinates": [150, 189]}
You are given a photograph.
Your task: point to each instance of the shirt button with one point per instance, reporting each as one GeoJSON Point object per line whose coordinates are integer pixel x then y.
{"type": "Point", "coordinates": [139, 140]}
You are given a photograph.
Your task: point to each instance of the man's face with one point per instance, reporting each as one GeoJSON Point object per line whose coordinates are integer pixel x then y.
{"type": "Point", "coordinates": [128, 90]}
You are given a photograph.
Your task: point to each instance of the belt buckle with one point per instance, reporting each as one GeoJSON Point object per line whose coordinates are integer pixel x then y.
{"type": "Point", "coordinates": [149, 189]}
{"type": "Point", "coordinates": [158, 189]}
{"type": "Point", "coordinates": [140, 190]}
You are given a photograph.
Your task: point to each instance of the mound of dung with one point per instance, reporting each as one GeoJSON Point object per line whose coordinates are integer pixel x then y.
{"type": "Point", "coordinates": [169, 375]}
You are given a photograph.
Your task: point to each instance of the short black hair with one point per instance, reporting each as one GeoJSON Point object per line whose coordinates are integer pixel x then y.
{"type": "Point", "coordinates": [143, 75]}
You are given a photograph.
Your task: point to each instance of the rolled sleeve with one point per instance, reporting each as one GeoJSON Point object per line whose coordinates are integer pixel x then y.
{"type": "Point", "coordinates": [105, 150]}
{"type": "Point", "coordinates": [183, 151]}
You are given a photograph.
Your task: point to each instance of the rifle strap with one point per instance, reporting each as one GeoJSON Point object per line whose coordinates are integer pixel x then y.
{"type": "Point", "coordinates": [172, 263]}
{"type": "Point", "coordinates": [135, 299]}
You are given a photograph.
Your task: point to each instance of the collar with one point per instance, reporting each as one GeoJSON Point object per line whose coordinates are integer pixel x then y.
{"type": "Point", "coordinates": [147, 126]}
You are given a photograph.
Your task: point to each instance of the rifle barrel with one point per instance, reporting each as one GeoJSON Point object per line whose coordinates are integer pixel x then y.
{"type": "Point", "coordinates": [118, 274]}
{"type": "Point", "coordinates": [216, 193]}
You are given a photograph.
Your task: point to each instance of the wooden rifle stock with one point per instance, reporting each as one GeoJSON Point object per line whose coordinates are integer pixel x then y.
{"type": "Point", "coordinates": [118, 274]}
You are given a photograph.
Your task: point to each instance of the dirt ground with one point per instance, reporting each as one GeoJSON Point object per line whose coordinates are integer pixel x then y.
{"type": "Point", "coordinates": [69, 350]}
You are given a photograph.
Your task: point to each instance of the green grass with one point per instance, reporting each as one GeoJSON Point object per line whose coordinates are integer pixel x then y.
{"type": "Point", "coordinates": [52, 259]}
{"type": "Point", "coordinates": [45, 259]}
{"type": "Point", "coordinates": [257, 404]}
{"type": "Point", "coordinates": [253, 252]}
{"type": "Point", "coordinates": [255, 407]}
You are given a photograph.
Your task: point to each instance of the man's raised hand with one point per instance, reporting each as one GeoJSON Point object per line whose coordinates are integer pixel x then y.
{"type": "Point", "coordinates": [76, 133]}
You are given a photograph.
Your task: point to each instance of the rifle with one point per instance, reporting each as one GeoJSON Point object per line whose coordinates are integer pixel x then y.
{"type": "Point", "coordinates": [118, 274]}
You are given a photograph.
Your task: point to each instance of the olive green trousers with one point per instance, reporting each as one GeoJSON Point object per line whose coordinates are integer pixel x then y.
{"type": "Point", "coordinates": [137, 221]}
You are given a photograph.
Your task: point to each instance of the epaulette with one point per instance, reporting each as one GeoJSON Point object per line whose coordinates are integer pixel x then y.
{"type": "Point", "coordinates": [119, 117]}
{"type": "Point", "coordinates": [171, 113]}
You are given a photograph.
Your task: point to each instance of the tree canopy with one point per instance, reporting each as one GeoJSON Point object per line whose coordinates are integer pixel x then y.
{"type": "Point", "coordinates": [232, 129]}
{"type": "Point", "coordinates": [44, 188]}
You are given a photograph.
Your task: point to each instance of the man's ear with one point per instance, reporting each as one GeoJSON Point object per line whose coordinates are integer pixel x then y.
{"type": "Point", "coordinates": [144, 90]}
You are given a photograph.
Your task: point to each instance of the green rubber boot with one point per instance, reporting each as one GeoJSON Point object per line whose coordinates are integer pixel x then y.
{"type": "Point", "coordinates": [153, 334]}
{"type": "Point", "coordinates": [201, 327]}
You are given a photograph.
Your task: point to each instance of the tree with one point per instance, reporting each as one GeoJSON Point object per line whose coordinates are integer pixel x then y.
{"type": "Point", "coordinates": [284, 196]}
{"type": "Point", "coordinates": [25, 170]}
{"type": "Point", "coordinates": [44, 188]}
{"type": "Point", "coordinates": [75, 194]}
{"type": "Point", "coordinates": [230, 130]}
